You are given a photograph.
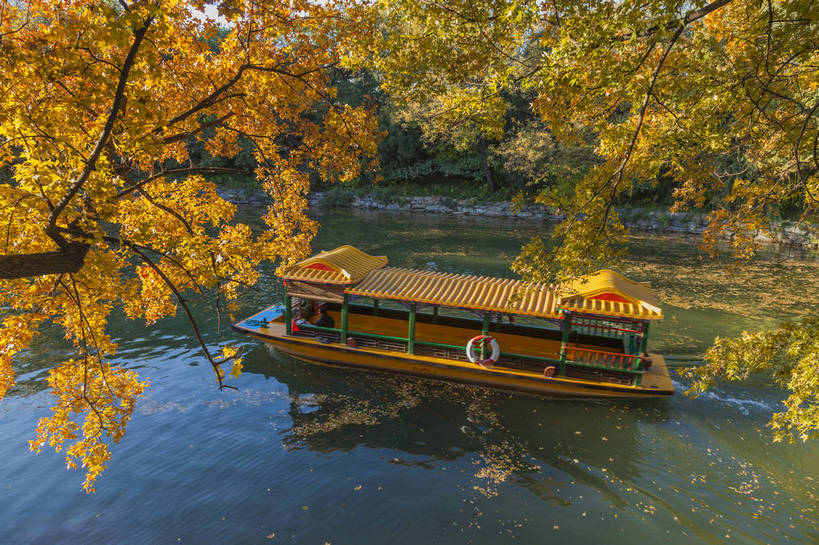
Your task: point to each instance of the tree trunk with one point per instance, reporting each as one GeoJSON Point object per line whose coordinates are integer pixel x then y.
{"type": "Point", "coordinates": [487, 172]}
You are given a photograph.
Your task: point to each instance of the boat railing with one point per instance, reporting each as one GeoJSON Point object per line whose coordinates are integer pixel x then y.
{"type": "Point", "coordinates": [603, 360]}
{"type": "Point", "coordinates": [330, 334]}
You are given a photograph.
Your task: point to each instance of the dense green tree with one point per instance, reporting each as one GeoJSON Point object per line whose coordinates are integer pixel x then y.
{"type": "Point", "coordinates": [449, 71]}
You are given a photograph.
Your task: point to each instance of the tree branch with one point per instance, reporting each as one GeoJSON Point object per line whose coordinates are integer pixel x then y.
{"type": "Point", "coordinates": [808, 117]}
{"type": "Point", "coordinates": [689, 18]}
{"type": "Point", "coordinates": [177, 172]}
{"type": "Point", "coordinates": [68, 259]}
{"type": "Point", "coordinates": [91, 162]}
{"type": "Point", "coordinates": [215, 364]}
{"type": "Point", "coordinates": [215, 96]}
{"type": "Point", "coordinates": [71, 255]}
{"type": "Point", "coordinates": [183, 135]}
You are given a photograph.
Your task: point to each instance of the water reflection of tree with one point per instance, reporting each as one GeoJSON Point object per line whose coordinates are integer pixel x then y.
{"type": "Point", "coordinates": [535, 442]}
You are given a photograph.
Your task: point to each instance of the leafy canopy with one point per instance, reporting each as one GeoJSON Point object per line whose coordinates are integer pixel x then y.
{"type": "Point", "coordinates": [99, 103]}
{"type": "Point", "coordinates": [720, 98]}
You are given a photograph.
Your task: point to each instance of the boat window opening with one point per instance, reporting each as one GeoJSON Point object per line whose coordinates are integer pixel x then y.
{"type": "Point", "coordinates": [499, 321]}
{"type": "Point", "coordinates": [470, 314]}
{"type": "Point", "coordinates": [606, 327]}
{"type": "Point", "coordinates": [631, 333]}
{"type": "Point", "coordinates": [581, 335]}
{"type": "Point", "coordinates": [377, 303]}
{"type": "Point", "coordinates": [546, 329]}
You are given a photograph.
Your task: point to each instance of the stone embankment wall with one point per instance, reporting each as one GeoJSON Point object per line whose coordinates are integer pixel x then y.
{"type": "Point", "coordinates": [637, 219]}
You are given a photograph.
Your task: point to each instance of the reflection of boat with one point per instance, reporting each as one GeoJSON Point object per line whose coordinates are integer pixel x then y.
{"type": "Point", "coordinates": [428, 424]}
{"type": "Point", "coordinates": [591, 341]}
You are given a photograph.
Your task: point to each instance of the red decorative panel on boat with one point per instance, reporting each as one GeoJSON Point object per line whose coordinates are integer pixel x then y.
{"type": "Point", "coordinates": [320, 267]}
{"type": "Point", "coordinates": [610, 297]}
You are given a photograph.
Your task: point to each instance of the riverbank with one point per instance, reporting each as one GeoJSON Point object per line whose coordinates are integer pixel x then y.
{"type": "Point", "coordinates": [639, 219]}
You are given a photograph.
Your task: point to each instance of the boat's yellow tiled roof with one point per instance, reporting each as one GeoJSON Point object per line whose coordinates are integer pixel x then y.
{"type": "Point", "coordinates": [458, 290]}
{"type": "Point", "coordinates": [605, 292]}
{"type": "Point", "coordinates": [508, 296]}
{"type": "Point", "coordinates": [344, 265]}
{"type": "Point", "coordinates": [612, 294]}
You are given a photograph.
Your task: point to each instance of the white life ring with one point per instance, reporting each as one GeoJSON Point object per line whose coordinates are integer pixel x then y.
{"type": "Point", "coordinates": [486, 362]}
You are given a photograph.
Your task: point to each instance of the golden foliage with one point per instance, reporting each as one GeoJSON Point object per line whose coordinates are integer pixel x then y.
{"type": "Point", "coordinates": [106, 208]}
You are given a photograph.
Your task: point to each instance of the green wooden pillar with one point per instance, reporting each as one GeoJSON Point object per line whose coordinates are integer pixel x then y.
{"type": "Point", "coordinates": [644, 338]}
{"type": "Point", "coordinates": [638, 362]}
{"type": "Point", "coordinates": [288, 314]}
{"type": "Point", "coordinates": [564, 344]}
{"type": "Point", "coordinates": [411, 333]}
{"type": "Point", "coordinates": [487, 318]}
{"type": "Point", "coordinates": [375, 307]}
{"type": "Point", "coordinates": [435, 314]}
{"type": "Point", "coordinates": [344, 320]}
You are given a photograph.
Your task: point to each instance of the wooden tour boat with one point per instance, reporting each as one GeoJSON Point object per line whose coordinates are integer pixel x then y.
{"type": "Point", "coordinates": [588, 340]}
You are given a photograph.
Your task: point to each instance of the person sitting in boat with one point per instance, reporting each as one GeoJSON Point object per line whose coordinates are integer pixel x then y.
{"type": "Point", "coordinates": [324, 320]}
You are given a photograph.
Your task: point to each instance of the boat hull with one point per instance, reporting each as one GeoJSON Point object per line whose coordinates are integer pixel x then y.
{"type": "Point", "coordinates": [656, 382]}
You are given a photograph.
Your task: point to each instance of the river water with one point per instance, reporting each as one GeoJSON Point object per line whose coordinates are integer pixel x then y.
{"type": "Point", "coordinates": [303, 453]}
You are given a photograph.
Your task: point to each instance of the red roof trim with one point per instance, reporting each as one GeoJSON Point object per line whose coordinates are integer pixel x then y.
{"type": "Point", "coordinates": [611, 297]}
{"type": "Point", "coordinates": [320, 267]}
